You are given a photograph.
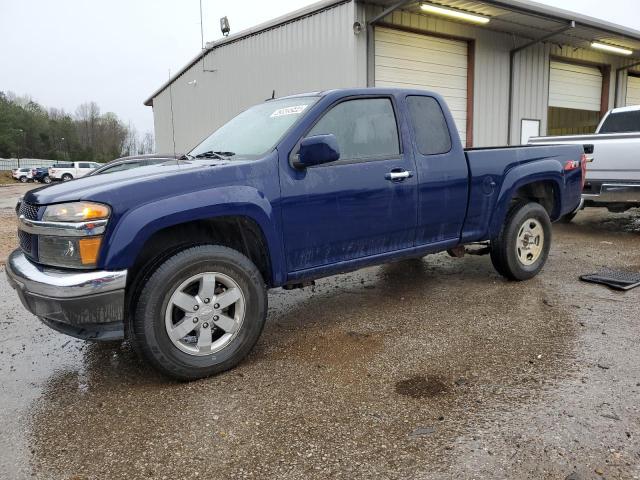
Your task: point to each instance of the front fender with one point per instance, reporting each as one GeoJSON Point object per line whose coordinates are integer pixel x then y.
{"type": "Point", "coordinates": [541, 171]}
{"type": "Point", "coordinates": [131, 230]}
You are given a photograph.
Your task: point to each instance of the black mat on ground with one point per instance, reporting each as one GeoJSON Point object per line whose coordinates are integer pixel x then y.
{"type": "Point", "coordinates": [617, 279]}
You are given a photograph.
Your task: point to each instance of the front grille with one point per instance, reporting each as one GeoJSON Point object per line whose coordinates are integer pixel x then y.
{"type": "Point", "coordinates": [29, 211]}
{"type": "Point", "coordinates": [28, 241]}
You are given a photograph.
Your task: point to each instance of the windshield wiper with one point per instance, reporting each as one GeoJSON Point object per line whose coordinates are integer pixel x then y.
{"type": "Point", "coordinates": [212, 154]}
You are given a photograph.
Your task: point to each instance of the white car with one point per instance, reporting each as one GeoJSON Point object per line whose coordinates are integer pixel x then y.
{"type": "Point", "coordinates": [71, 170]}
{"type": "Point", "coordinates": [21, 174]}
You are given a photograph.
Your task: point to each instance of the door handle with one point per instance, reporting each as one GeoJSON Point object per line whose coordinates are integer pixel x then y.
{"type": "Point", "coordinates": [398, 175]}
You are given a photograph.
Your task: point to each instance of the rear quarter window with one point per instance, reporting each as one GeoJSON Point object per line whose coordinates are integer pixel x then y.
{"type": "Point", "coordinates": [429, 125]}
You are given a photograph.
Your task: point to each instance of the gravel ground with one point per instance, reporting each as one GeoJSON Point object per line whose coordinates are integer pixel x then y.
{"type": "Point", "coordinates": [433, 368]}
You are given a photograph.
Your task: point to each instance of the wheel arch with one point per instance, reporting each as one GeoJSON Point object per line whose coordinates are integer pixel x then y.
{"type": "Point", "coordinates": [540, 182]}
{"type": "Point", "coordinates": [242, 219]}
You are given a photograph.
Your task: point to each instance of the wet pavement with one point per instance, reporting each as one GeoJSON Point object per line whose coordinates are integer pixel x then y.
{"type": "Point", "coordinates": [434, 368]}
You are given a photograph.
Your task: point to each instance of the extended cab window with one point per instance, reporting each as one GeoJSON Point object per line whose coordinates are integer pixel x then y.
{"type": "Point", "coordinates": [429, 125]}
{"type": "Point", "coordinates": [84, 165]}
{"type": "Point", "coordinates": [364, 127]}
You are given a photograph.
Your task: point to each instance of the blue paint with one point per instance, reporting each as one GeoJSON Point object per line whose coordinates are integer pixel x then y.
{"type": "Point", "coordinates": [332, 217]}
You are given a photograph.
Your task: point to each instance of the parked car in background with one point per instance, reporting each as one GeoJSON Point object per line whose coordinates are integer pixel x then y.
{"type": "Point", "coordinates": [178, 257]}
{"type": "Point", "coordinates": [21, 174]}
{"type": "Point", "coordinates": [40, 174]}
{"type": "Point", "coordinates": [136, 161]}
{"type": "Point", "coordinates": [613, 176]}
{"type": "Point", "coordinates": [71, 170]}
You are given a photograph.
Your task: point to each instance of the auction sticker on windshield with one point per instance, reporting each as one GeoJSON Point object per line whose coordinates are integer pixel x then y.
{"type": "Point", "coordinates": [295, 110]}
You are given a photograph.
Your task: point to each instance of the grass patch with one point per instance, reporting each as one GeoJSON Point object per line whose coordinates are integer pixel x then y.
{"type": "Point", "coordinates": [5, 177]}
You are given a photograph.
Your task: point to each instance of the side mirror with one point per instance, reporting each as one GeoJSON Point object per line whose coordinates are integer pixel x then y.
{"type": "Point", "coordinates": [317, 150]}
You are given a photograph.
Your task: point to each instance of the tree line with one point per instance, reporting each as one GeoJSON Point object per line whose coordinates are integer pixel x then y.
{"type": "Point", "coordinates": [29, 130]}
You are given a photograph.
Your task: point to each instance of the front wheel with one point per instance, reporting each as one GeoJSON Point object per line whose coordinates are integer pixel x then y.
{"type": "Point", "coordinates": [522, 247]}
{"type": "Point", "coordinates": [47, 179]}
{"type": "Point", "coordinates": [66, 177]}
{"type": "Point", "coordinates": [200, 313]}
{"type": "Point", "coordinates": [23, 179]}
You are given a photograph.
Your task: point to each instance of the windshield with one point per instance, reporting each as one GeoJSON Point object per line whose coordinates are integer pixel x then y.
{"type": "Point", "coordinates": [255, 131]}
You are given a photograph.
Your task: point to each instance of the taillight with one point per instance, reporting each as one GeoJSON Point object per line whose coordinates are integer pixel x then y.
{"type": "Point", "coordinates": [571, 165]}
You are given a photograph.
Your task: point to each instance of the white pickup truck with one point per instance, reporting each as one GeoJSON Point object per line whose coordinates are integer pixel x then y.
{"type": "Point", "coordinates": [71, 170]}
{"type": "Point", "coordinates": [613, 174]}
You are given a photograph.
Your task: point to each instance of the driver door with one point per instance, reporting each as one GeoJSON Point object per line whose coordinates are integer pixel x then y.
{"type": "Point", "coordinates": [354, 207]}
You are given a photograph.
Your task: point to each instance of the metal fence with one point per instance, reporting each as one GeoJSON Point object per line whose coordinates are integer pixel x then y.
{"type": "Point", "coordinates": [11, 163]}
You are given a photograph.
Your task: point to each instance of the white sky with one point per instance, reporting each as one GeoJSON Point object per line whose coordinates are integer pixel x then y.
{"type": "Point", "coordinates": [117, 52]}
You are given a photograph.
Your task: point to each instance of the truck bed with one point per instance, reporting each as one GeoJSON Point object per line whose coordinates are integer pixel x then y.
{"type": "Point", "coordinates": [495, 171]}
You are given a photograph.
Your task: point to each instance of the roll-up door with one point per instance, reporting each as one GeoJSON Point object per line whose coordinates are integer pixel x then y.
{"type": "Point", "coordinates": [412, 60]}
{"type": "Point", "coordinates": [575, 98]}
{"type": "Point", "coordinates": [575, 86]}
{"type": "Point", "coordinates": [633, 90]}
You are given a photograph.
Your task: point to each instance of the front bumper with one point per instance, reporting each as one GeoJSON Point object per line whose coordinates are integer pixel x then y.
{"type": "Point", "coordinates": [87, 305]}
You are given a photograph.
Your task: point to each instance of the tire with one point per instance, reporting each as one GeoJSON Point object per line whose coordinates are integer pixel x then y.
{"type": "Point", "coordinates": [47, 179]}
{"type": "Point", "coordinates": [156, 313]}
{"type": "Point", "coordinates": [526, 223]}
{"type": "Point", "coordinates": [23, 179]}
{"type": "Point", "coordinates": [66, 177]}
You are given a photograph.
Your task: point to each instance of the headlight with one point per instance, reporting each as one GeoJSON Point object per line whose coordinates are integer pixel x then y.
{"type": "Point", "coordinates": [76, 212]}
{"type": "Point", "coordinates": [58, 248]}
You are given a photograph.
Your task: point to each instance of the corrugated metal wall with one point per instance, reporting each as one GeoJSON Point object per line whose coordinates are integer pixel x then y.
{"type": "Point", "coordinates": [321, 51]}
{"type": "Point", "coordinates": [491, 82]}
{"type": "Point", "coordinates": [491, 85]}
{"type": "Point", "coordinates": [313, 53]}
{"type": "Point", "coordinates": [531, 80]}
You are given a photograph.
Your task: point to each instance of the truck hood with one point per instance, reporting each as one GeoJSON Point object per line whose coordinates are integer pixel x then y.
{"type": "Point", "coordinates": [137, 185]}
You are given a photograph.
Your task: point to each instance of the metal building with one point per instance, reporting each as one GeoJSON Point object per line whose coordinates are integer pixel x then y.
{"type": "Point", "coordinates": [508, 70]}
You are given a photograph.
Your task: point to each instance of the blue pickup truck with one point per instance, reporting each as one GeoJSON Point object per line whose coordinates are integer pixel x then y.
{"type": "Point", "coordinates": [178, 257]}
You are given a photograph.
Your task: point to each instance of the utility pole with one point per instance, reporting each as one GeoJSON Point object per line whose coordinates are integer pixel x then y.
{"type": "Point", "coordinates": [21, 151]}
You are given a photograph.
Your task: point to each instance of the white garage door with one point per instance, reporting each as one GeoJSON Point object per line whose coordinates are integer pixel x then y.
{"type": "Point", "coordinates": [575, 86]}
{"type": "Point", "coordinates": [411, 60]}
{"type": "Point", "coordinates": [633, 90]}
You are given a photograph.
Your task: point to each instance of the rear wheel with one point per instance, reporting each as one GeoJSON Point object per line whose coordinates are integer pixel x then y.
{"type": "Point", "coordinates": [521, 248]}
{"type": "Point", "coordinates": [23, 179]}
{"type": "Point", "coordinates": [201, 312]}
{"type": "Point", "coordinates": [47, 179]}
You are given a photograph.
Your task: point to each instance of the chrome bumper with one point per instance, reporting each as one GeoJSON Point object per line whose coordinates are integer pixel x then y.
{"type": "Point", "coordinates": [615, 193]}
{"type": "Point", "coordinates": [88, 305]}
